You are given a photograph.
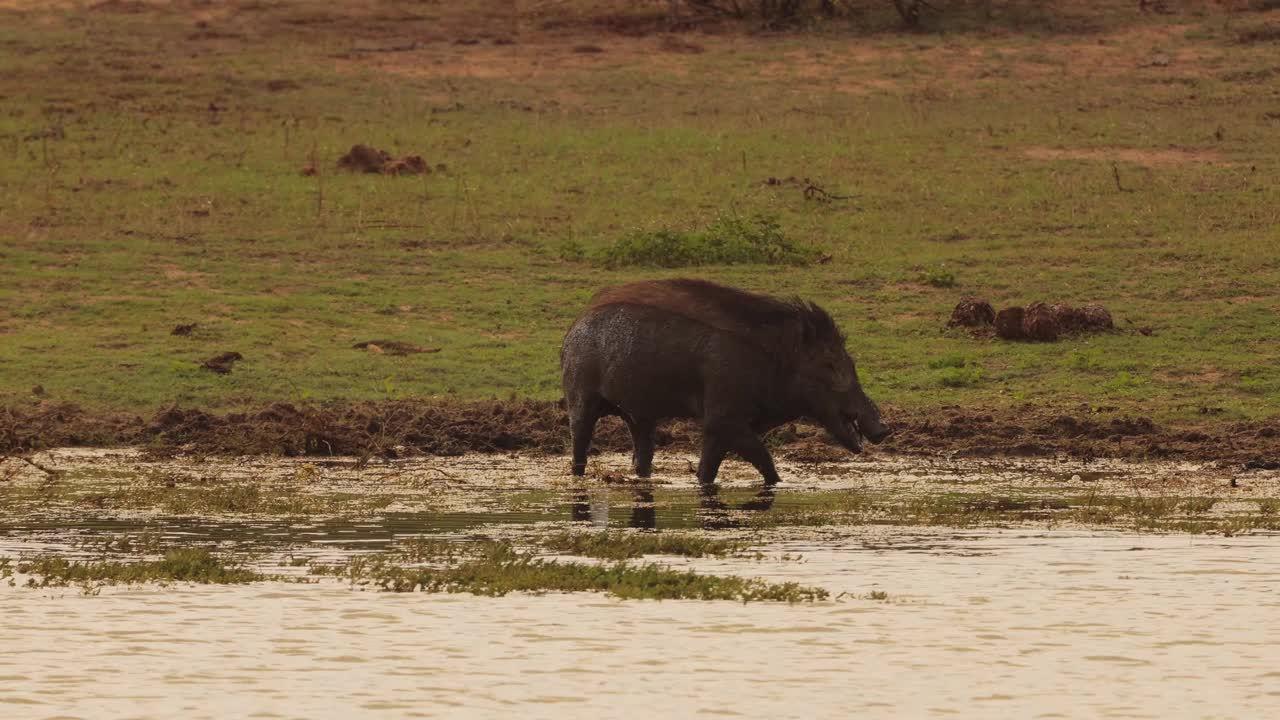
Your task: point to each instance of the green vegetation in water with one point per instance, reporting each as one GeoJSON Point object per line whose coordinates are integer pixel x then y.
{"type": "Point", "coordinates": [195, 565]}
{"type": "Point", "coordinates": [496, 569]}
{"type": "Point", "coordinates": [626, 546]}
{"type": "Point", "coordinates": [177, 497]}
{"type": "Point", "coordinates": [1152, 513]}
{"type": "Point", "coordinates": [729, 240]}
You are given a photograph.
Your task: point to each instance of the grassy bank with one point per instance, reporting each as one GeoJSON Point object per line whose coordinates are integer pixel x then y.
{"type": "Point", "coordinates": [153, 177]}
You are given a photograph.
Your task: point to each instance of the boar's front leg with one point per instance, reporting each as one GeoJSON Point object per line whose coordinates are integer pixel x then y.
{"type": "Point", "coordinates": [722, 437]}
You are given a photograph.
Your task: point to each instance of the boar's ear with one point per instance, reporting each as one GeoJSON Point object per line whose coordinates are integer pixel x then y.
{"type": "Point", "coordinates": [808, 333]}
{"type": "Point", "coordinates": [818, 327]}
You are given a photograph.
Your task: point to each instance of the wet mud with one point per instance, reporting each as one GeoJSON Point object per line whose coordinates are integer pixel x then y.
{"type": "Point", "coordinates": [447, 428]}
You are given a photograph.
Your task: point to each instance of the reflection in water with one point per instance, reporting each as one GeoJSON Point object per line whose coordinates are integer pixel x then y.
{"type": "Point", "coordinates": [590, 505]}
{"type": "Point", "coordinates": [712, 513]}
{"type": "Point", "coordinates": [580, 506]}
{"type": "Point", "coordinates": [718, 515]}
{"type": "Point", "coordinates": [644, 514]}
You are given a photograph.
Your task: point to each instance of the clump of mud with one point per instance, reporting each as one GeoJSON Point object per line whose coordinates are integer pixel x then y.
{"type": "Point", "coordinates": [1038, 321]}
{"type": "Point", "coordinates": [972, 312]}
{"type": "Point", "coordinates": [221, 363]}
{"type": "Point", "coordinates": [366, 159]}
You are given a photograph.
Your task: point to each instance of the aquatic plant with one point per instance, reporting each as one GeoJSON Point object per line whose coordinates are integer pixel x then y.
{"type": "Point", "coordinates": [626, 546]}
{"type": "Point", "coordinates": [498, 569]}
{"type": "Point", "coordinates": [196, 565]}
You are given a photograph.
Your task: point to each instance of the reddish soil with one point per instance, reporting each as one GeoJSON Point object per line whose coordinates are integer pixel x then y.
{"type": "Point", "coordinates": [408, 427]}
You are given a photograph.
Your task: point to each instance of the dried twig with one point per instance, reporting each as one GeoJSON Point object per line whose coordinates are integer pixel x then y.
{"type": "Point", "coordinates": [1115, 172]}
{"type": "Point", "coordinates": [52, 473]}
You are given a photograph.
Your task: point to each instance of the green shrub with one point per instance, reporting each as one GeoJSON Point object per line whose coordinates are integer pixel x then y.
{"type": "Point", "coordinates": [730, 240]}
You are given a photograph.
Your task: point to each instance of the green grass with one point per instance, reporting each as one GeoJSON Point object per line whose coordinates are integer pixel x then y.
{"type": "Point", "coordinates": [150, 177]}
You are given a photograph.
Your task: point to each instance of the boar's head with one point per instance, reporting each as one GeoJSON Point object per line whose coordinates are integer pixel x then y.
{"type": "Point", "coordinates": [826, 384]}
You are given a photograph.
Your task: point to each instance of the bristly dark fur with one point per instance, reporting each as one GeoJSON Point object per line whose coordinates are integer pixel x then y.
{"type": "Point", "coordinates": [742, 313]}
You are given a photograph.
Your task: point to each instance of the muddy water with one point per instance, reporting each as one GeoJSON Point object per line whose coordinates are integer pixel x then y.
{"type": "Point", "coordinates": [1019, 621]}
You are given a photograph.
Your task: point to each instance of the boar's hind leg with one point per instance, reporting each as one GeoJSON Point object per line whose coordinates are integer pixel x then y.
{"type": "Point", "coordinates": [583, 415]}
{"type": "Point", "coordinates": [642, 438]}
{"type": "Point", "coordinates": [719, 439]}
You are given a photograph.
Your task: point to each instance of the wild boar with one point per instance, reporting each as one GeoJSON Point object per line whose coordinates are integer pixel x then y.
{"type": "Point", "coordinates": [739, 362]}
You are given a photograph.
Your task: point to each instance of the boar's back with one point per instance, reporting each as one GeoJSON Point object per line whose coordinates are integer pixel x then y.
{"type": "Point", "coordinates": [774, 325]}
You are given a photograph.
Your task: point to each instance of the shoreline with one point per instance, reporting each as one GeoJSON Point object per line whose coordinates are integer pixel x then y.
{"type": "Point", "coordinates": [403, 428]}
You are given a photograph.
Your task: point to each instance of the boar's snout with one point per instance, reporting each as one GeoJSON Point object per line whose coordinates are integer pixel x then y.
{"type": "Point", "coordinates": [879, 436]}
{"type": "Point", "coordinates": [866, 417]}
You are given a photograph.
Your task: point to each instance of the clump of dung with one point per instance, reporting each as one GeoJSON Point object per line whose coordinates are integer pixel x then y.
{"type": "Point", "coordinates": [1041, 322]}
{"type": "Point", "coordinates": [972, 312]}
{"type": "Point", "coordinates": [367, 159]}
{"type": "Point", "coordinates": [1009, 323]}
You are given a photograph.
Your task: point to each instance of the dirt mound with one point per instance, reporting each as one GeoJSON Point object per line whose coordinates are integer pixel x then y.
{"type": "Point", "coordinates": [45, 424]}
{"type": "Point", "coordinates": [366, 159]}
{"type": "Point", "coordinates": [972, 312]}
